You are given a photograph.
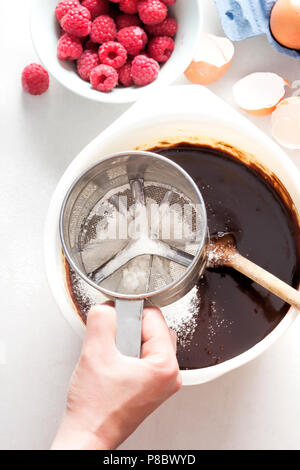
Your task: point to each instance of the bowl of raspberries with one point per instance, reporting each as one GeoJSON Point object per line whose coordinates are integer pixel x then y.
{"type": "Point", "coordinates": [114, 50]}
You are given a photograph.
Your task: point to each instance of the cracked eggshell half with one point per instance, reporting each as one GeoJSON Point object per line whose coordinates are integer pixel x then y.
{"type": "Point", "coordinates": [259, 93]}
{"type": "Point", "coordinates": [211, 61]}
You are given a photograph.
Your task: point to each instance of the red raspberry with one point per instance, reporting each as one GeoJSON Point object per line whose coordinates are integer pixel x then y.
{"type": "Point", "coordinates": [125, 77]}
{"type": "Point", "coordinates": [86, 63]}
{"type": "Point", "coordinates": [96, 7]}
{"type": "Point", "coordinates": [35, 79]}
{"type": "Point", "coordinates": [113, 54]}
{"type": "Point", "coordinates": [144, 70]}
{"type": "Point", "coordinates": [115, 1]}
{"type": "Point", "coordinates": [160, 48]}
{"type": "Point", "coordinates": [63, 7]}
{"type": "Point", "coordinates": [133, 39]}
{"type": "Point", "coordinates": [169, 2]}
{"type": "Point", "coordinates": [129, 6]}
{"type": "Point", "coordinates": [69, 47]}
{"type": "Point", "coordinates": [77, 22]}
{"type": "Point", "coordinates": [152, 11]}
{"type": "Point", "coordinates": [124, 21]}
{"type": "Point", "coordinates": [104, 78]}
{"type": "Point", "coordinates": [168, 27]}
{"type": "Point", "coordinates": [103, 29]}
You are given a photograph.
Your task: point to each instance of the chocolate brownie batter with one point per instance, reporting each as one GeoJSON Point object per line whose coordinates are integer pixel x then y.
{"type": "Point", "coordinates": [235, 313]}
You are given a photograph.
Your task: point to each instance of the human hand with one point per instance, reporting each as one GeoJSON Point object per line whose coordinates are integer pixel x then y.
{"type": "Point", "coordinates": [111, 394]}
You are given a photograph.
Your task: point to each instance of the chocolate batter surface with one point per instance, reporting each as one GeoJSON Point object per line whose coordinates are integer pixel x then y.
{"type": "Point", "coordinates": [234, 312]}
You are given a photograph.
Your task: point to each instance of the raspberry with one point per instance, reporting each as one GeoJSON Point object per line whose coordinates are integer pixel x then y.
{"type": "Point", "coordinates": [168, 27]}
{"type": "Point", "coordinates": [63, 7]}
{"type": "Point", "coordinates": [133, 39]}
{"type": "Point", "coordinates": [152, 11]}
{"type": "Point", "coordinates": [77, 22]}
{"type": "Point", "coordinates": [160, 48]}
{"type": "Point", "coordinates": [86, 63]}
{"type": "Point", "coordinates": [169, 2]}
{"type": "Point", "coordinates": [144, 70]}
{"type": "Point", "coordinates": [69, 47]}
{"type": "Point", "coordinates": [125, 77]}
{"type": "Point", "coordinates": [115, 1]}
{"type": "Point", "coordinates": [96, 7]}
{"type": "Point", "coordinates": [124, 21]}
{"type": "Point", "coordinates": [35, 79]}
{"type": "Point", "coordinates": [104, 78]}
{"type": "Point", "coordinates": [113, 54]}
{"type": "Point", "coordinates": [129, 6]}
{"type": "Point", "coordinates": [103, 29]}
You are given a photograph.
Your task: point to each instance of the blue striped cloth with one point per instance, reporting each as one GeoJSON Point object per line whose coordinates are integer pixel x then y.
{"type": "Point", "coordinates": [243, 19]}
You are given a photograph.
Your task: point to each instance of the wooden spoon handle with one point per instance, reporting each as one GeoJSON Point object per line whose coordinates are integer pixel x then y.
{"type": "Point", "coordinates": [265, 279]}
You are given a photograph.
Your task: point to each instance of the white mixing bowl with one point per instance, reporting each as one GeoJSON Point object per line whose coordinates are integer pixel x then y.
{"type": "Point", "coordinates": [45, 34]}
{"type": "Point", "coordinates": [182, 113]}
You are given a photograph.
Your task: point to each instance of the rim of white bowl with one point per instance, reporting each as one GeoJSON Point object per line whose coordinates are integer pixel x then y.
{"type": "Point", "coordinates": [113, 98]}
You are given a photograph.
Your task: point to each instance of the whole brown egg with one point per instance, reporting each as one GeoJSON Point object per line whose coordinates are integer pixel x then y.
{"type": "Point", "coordinates": [285, 23]}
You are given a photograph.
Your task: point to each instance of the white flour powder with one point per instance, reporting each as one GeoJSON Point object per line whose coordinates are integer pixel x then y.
{"type": "Point", "coordinates": [140, 226]}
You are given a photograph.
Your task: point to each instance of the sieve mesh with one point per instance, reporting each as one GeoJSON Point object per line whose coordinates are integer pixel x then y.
{"type": "Point", "coordinates": [167, 210]}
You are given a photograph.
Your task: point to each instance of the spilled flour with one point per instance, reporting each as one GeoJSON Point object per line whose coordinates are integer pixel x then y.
{"type": "Point", "coordinates": [181, 316]}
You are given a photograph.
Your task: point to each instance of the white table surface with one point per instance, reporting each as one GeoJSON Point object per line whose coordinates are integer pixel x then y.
{"type": "Point", "coordinates": [255, 407]}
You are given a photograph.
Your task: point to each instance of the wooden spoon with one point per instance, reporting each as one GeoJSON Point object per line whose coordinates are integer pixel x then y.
{"type": "Point", "coordinates": [223, 252]}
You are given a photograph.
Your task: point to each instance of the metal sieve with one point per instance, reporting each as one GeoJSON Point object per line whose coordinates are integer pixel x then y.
{"type": "Point", "coordinates": [111, 241]}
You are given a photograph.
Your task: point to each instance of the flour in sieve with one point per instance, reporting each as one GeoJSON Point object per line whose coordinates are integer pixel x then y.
{"type": "Point", "coordinates": [142, 223]}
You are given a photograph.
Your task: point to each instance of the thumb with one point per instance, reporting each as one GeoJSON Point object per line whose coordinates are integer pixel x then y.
{"type": "Point", "coordinates": [157, 341]}
{"type": "Point", "coordinates": [101, 329]}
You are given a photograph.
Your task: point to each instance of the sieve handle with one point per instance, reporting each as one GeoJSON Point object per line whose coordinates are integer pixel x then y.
{"type": "Point", "coordinates": [129, 326]}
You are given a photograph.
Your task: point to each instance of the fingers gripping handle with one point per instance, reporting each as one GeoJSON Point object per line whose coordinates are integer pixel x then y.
{"type": "Point", "coordinates": [129, 326]}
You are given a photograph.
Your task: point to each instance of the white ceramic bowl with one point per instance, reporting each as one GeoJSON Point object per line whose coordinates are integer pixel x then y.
{"type": "Point", "coordinates": [184, 113]}
{"type": "Point", "coordinates": [45, 34]}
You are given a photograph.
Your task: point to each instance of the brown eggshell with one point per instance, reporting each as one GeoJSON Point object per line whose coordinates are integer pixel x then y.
{"type": "Point", "coordinates": [259, 93]}
{"type": "Point", "coordinates": [212, 59]}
